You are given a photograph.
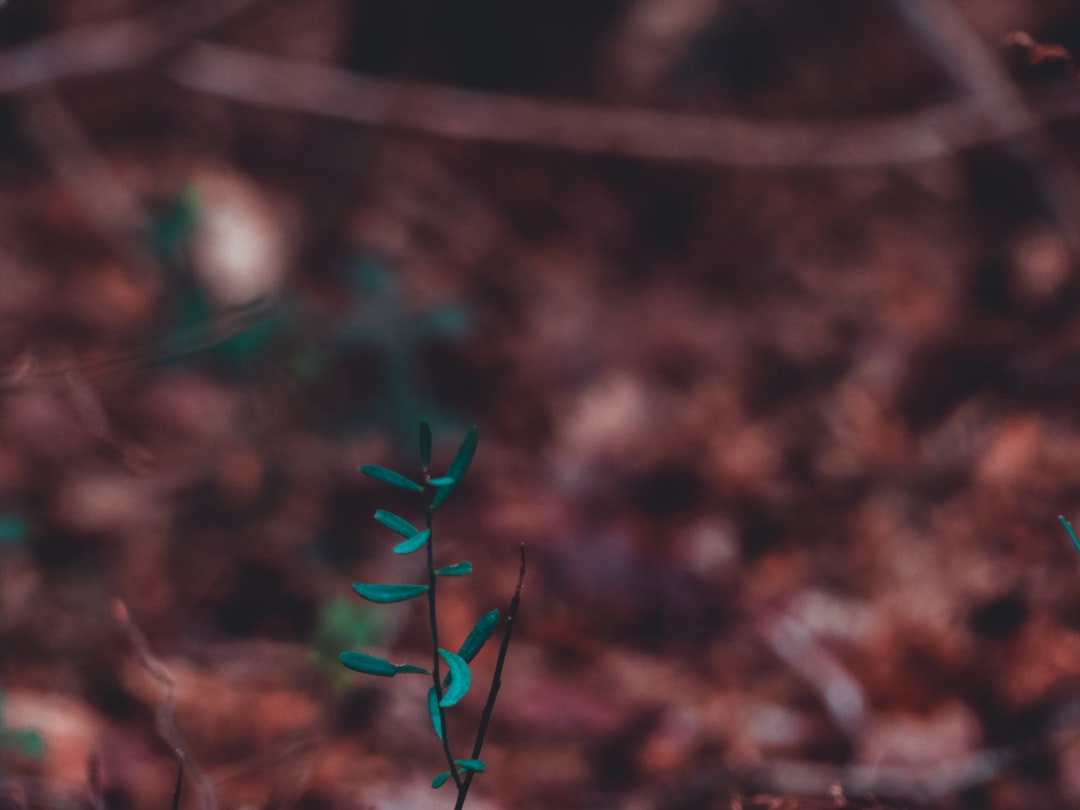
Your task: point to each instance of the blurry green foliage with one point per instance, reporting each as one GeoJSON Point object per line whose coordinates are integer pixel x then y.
{"type": "Point", "coordinates": [383, 321]}
{"type": "Point", "coordinates": [13, 529]}
{"type": "Point", "coordinates": [172, 229]}
{"type": "Point", "coordinates": [26, 742]}
{"type": "Point", "coordinates": [277, 334]}
{"type": "Point", "coordinates": [343, 623]}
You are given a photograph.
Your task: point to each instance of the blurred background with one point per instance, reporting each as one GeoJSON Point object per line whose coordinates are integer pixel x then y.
{"type": "Point", "coordinates": [766, 312]}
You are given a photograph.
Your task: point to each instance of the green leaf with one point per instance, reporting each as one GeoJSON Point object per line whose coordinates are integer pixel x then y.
{"type": "Point", "coordinates": [390, 477]}
{"type": "Point", "coordinates": [456, 570]}
{"type": "Point", "coordinates": [480, 633]}
{"type": "Point", "coordinates": [425, 443]}
{"type": "Point", "coordinates": [444, 481]}
{"type": "Point", "coordinates": [418, 540]}
{"type": "Point", "coordinates": [1072, 534]}
{"type": "Point", "coordinates": [370, 665]}
{"type": "Point", "coordinates": [462, 678]}
{"type": "Point", "coordinates": [476, 765]}
{"type": "Point", "coordinates": [458, 466]}
{"type": "Point", "coordinates": [433, 712]}
{"type": "Point", "coordinates": [388, 593]}
{"type": "Point", "coordinates": [395, 523]}
{"type": "Point", "coordinates": [440, 780]}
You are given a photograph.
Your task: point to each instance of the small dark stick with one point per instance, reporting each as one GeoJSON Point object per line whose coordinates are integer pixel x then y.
{"type": "Point", "coordinates": [179, 781]}
{"type": "Point", "coordinates": [496, 682]}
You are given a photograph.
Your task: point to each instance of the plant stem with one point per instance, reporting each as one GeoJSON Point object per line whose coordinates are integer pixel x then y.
{"type": "Point", "coordinates": [436, 667]}
{"type": "Point", "coordinates": [496, 682]}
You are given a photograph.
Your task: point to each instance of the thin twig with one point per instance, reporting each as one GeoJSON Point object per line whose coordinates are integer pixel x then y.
{"type": "Point", "coordinates": [179, 781]}
{"type": "Point", "coordinates": [724, 140]}
{"type": "Point", "coordinates": [165, 714]}
{"type": "Point", "coordinates": [111, 47]}
{"type": "Point", "coordinates": [496, 682]}
{"type": "Point", "coordinates": [181, 344]}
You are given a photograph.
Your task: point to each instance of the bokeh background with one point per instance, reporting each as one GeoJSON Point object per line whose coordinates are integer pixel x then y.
{"type": "Point", "coordinates": [766, 312]}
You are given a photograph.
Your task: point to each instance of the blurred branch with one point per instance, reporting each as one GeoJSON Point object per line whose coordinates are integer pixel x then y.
{"type": "Point", "coordinates": [449, 112]}
{"type": "Point", "coordinates": [972, 65]}
{"type": "Point", "coordinates": [165, 721]}
{"type": "Point", "coordinates": [109, 47]}
{"type": "Point", "coordinates": [57, 373]}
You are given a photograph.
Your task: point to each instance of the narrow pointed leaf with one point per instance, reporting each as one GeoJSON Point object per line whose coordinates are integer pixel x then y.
{"type": "Point", "coordinates": [440, 780]}
{"type": "Point", "coordinates": [395, 523]}
{"type": "Point", "coordinates": [462, 678]}
{"type": "Point", "coordinates": [475, 765]}
{"type": "Point", "coordinates": [459, 465]}
{"type": "Point", "coordinates": [390, 477]}
{"type": "Point", "coordinates": [456, 570]}
{"type": "Point", "coordinates": [368, 664]}
{"type": "Point", "coordinates": [479, 634]}
{"type": "Point", "coordinates": [433, 712]}
{"type": "Point", "coordinates": [410, 668]}
{"type": "Point", "coordinates": [388, 593]}
{"type": "Point", "coordinates": [425, 443]}
{"type": "Point", "coordinates": [1072, 534]}
{"type": "Point", "coordinates": [444, 481]}
{"type": "Point", "coordinates": [417, 541]}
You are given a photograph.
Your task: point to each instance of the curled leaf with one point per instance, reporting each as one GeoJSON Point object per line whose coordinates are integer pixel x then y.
{"type": "Point", "coordinates": [444, 481]}
{"type": "Point", "coordinates": [390, 477]}
{"type": "Point", "coordinates": [388, 593]}
{"type": "Point", "coordinates": [395, 523]}
{"type": "Point", "coordinates": [461, 678]}
{"type": "Point", "coordinates": [456, 570]}
{"type": "Point", "coordinates": [480, 633]}
{"type": "Point", "coordinates": [433, 712]}
{"type": "Point", "coordinates": [459, 465]}
{"type": "Point", "coordinates": [425, 443]}
{"type": "Point", "coordinates": [418, 540]}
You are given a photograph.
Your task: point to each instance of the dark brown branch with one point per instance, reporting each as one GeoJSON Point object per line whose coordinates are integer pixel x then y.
{"type": "Point", "coordinates": [496, 682]}
{"type": "Point", "coordinates": [724, 140]}
{"type": "Point", "coordinates": [111, 47]}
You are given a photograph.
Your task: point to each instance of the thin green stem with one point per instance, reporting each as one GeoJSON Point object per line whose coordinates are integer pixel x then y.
{"type": "Point", "coordinates": [436, 666]}
{"type": "Point", "coordinates": [496, 682]}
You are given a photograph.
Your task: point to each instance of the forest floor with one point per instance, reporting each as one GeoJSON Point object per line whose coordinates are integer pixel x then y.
{"type": "Point", "coordinates": [767, 315]}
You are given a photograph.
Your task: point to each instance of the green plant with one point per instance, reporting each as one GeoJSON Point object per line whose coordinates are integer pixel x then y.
{"type": "Point", "coordinates": [446, 691]}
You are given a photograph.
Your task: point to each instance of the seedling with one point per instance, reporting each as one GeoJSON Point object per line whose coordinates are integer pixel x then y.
{"type": "Point", "coordinates": [446, 691]}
